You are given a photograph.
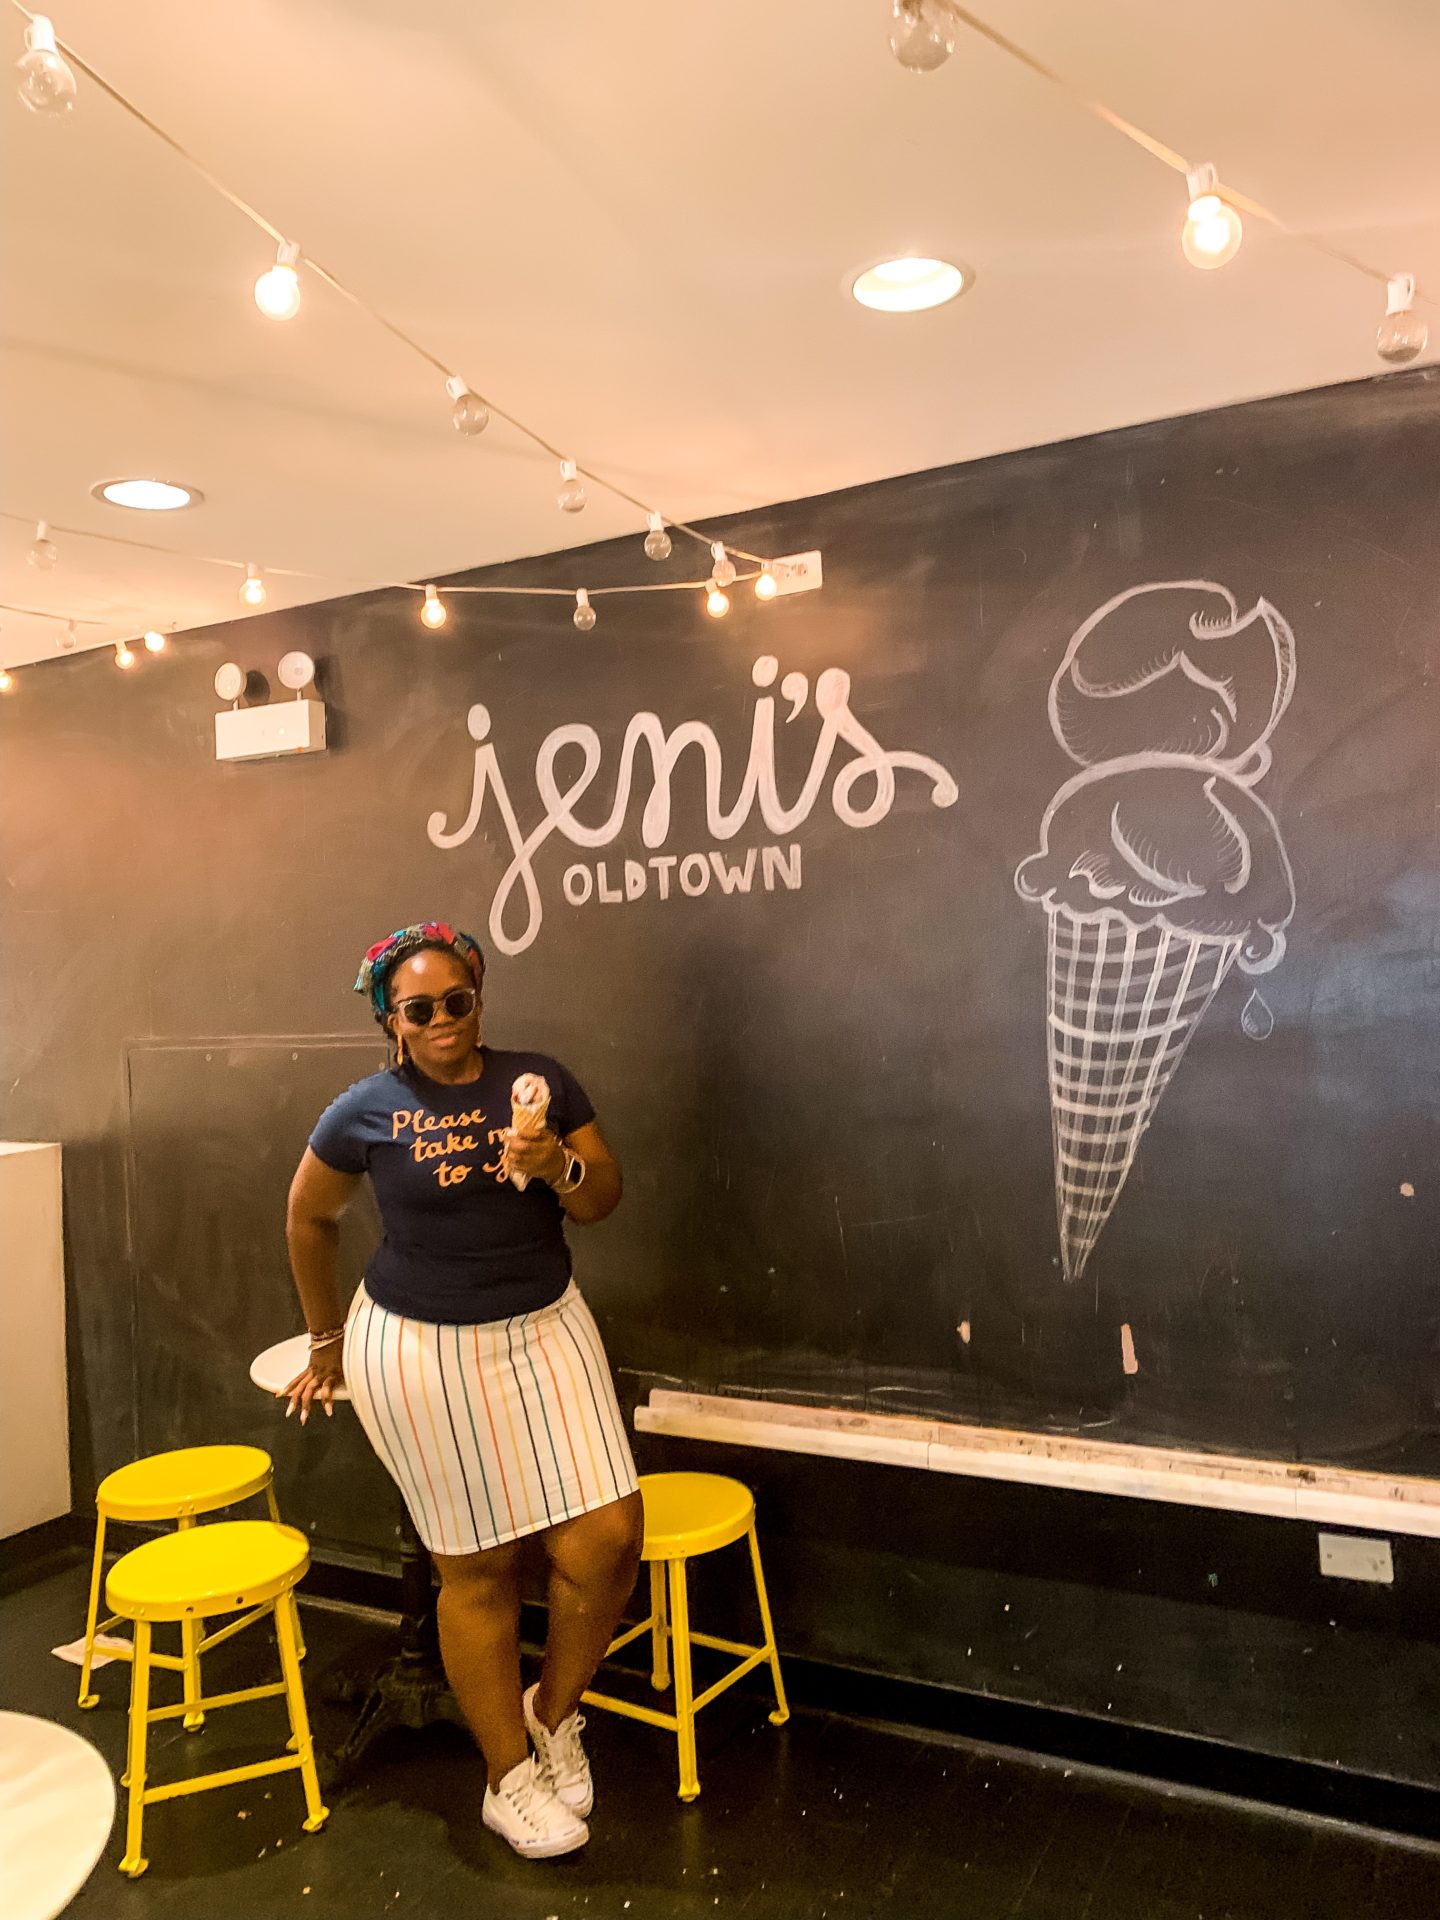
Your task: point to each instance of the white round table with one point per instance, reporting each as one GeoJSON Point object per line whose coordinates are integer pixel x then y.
{"type": "Point", "coordinates": [274, 1369]}
{"type": "Point", "coordinates": [57, 1805]}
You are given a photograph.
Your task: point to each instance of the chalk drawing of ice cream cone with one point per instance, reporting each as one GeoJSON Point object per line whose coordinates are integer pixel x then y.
{"type": "Point", "coordinates": [1159, 871]}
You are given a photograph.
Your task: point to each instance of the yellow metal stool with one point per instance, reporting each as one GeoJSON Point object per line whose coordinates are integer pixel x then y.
{"type": "Point", "coordinates": [173, 1486]}
{"type": "Point", "coordinates": [235, 1565]}
{"type": "Point", "coordinates": [687, 1514]}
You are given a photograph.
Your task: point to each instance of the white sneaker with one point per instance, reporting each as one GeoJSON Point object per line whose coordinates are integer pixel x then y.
{"type": "Point", "coordinates": [524, 1810]}
{"type": "Point", "coordinates": [562, 1758]}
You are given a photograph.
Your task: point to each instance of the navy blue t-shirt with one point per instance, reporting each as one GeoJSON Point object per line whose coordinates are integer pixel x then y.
{"type": "Point", "coordinates": [461, 1243]}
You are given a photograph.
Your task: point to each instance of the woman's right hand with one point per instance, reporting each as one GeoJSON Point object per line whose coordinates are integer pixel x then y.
{"type": "Point", "coordinates": [319, 1381]}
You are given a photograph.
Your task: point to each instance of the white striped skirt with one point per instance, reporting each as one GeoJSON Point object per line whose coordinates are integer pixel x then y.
{"type": "Point", "coordinates": [490, 1431]}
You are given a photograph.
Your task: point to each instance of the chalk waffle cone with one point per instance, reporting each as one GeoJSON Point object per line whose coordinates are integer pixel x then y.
{"type": "Point", "coordinates": [1124, 1003]}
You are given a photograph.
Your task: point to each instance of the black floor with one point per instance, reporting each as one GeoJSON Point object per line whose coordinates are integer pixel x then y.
{"type": "Point", "coordinates": [825, 1817]}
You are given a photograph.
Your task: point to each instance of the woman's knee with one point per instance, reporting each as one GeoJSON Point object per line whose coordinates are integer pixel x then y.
{"type": "Point", "coordinates": [603, 1543]}
{"type": "Point", "coordinates": [486, 1580]}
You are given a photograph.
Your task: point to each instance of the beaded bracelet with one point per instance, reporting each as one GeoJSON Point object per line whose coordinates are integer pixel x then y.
{"type": "Point", "coordinates": [326, 1339]}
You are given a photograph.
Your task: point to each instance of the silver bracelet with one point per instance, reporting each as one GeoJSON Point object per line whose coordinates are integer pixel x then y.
{"type": "Point", "coordinates": [570, 1179]}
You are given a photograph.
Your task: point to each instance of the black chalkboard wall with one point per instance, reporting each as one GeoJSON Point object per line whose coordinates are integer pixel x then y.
{"type": "Point", "coordinates": [827, 1078]}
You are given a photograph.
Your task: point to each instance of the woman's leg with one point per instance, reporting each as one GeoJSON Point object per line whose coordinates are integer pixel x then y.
{"type": "Point", "coordinates": [479, 1613]}
{"type": "Point", "coordinates": [594, 1559]}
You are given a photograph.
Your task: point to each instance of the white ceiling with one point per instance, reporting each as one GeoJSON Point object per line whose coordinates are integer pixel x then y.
{"type": "Point", "coordinates": [632, 223]}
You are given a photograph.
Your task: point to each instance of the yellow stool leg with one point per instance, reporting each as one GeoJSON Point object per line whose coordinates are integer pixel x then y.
{"type": "Point", "coordinates": [87, 1698]}
{"type": "Point", "coordinates": [134, 1862]}
{"type": "Point", "coordinates": [193, 1719]}
{"type": "Point", "coordinates": [318, 1813]}
{"type": "Point", "coordinates": [299, 1630]}
{"type": "Point", "coordinates": [273, 1505]}
{"type": "Point", "coordinates": [782, 1706]}
{"type": "Point", "coordinates": [660, 1630]}
{"type": "Point", "coordinates": [684, 1686]}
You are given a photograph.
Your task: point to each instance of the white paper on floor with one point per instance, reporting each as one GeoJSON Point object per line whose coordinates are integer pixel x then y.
{"type": "Point", "coordinates": [108, 1647]}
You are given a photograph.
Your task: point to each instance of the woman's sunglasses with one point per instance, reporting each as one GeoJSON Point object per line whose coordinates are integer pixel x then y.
{"type": "Point", "coordinates": [420, 1008]}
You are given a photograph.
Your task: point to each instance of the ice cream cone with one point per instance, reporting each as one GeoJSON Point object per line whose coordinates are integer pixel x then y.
{"type": "Point", "coordinates": [529, 1115]}
{"type": "Point", "coordinates": [1123, 1005]}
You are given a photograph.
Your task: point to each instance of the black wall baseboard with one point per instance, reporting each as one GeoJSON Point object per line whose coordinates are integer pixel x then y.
{"type": "Point", "coordinates": [40, 1551]}
{"type": "Point", "coordinates": [1296, 1786]}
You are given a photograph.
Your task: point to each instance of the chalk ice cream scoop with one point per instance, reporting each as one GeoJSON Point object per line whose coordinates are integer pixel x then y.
{"type": "Point", "coordinates": [1175, 667]}
{"type": "Point", "coordinates": [1156, 879]}
{"type": "Point", "coordinates": [529, 1114]}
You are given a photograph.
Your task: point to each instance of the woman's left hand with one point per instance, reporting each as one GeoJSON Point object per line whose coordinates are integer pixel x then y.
{"type": "Point", "coordinates": [538, 1156]}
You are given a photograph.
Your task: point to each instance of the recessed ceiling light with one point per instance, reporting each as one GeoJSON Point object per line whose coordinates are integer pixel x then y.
{"type": "Point", "coordinates": [147, 496]}
{"type": "Point", "coordinates": [909, 285]}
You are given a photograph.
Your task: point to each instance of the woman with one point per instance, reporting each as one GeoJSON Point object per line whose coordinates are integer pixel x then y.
{"type": "Point", "coordinates": [473, 1363]}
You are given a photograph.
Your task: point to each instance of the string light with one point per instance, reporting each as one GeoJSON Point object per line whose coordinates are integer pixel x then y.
{"type": "Point", "coordinates": [43, 552]}
{"type": "Point", "coordinates": [277, 292]}
{"type": "Point", "coordinates": [154, 641]}
{"type": "Point", "coordinates": [1212, 231]}
{"type": "Point", "coordinates": [7, 681]}
{"type": "Point", "coordinates": [44, 80]}
{"type": "Point", "coordinates": [1402, 334]}
{"type": "Point", "coordinates": [717, 601]}
{"type": "Point", "coordinates": [657, 540]}
{"type": "Point", "coordinates": [254, 581]}
{"type": "Point", "coordinates": [469, 415]}
{"type": "Point", "coordinates": [124, 658]}
{"type": "Point", "coordinates": [571, 497]}
{"type": "Point", "coordinates": [1232, 203]}
{"type": "Point", "coordinates": [584, 612]}
{"type": "Point", "coordinates": [68, 640]}
{"type": "Point", "coordinates": [766, 585]}
{"type": "Point", "coordinates": [723, 572]}
{"type": "Point", "coordinates": [434, 612]}
{"type": "Point", "coordinates": [922, 34]}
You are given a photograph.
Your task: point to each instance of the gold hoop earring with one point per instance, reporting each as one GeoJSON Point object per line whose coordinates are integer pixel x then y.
{"type": "Point", "coordinates": [399, 1049]}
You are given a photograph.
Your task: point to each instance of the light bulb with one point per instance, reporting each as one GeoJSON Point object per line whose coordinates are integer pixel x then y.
{"type": "Point", "coordinates": [69, 639]}
{"type": "Point", "coordinates": [584, 612]}
{"type": "Point", "coordinates": [124, 658]}
{"type": "Point", "coordinates": [470, 415]}
{"type": "Point", "coordinates": [277, 292]}
{"type": "Point", "coordinates": [922, 34]}
{"type": "Point", "coordinates": [571, 497]}
{"type": "Point", "coordinates": [154, 641]}
{"type": "Point", "coordinates": [717, 602]}
{"type": "Point", "coordinates": [910, 284]}
{"type": "Point", "coordinates": [1212, 232]}
{"type": "Point", "coordinates": [44, 553]}
{"type": "Point", "coordinates": [657, 540]}
{"type": "Point", "coordinates": [252, 591]}
{"type": "Point", "coordinates": [7, 681]}
{"type": "Point", "coordinates": [1402, 334]}
{"type": "Point", "coordinates": [766, 585]}
{"type": "Point", "coordinates": [434, 612]}
{"type": "Point", "coordinates": [44, 80]}
{"type": "Point", "coordinates": [723, 572]}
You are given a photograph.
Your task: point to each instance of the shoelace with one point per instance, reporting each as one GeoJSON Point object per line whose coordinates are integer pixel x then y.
{"type": "Point", "coordinates": [565, 1752]}
{"type": "Point", "coordinates": [523, 1799]}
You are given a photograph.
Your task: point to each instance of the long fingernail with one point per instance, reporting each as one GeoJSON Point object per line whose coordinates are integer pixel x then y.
{"type": "Point", "coordinates": [305, 1416]}
{"type": "Point", "coordinates": [290, 1409]}
{"type": "Point", "coordinates": [329, 1411]}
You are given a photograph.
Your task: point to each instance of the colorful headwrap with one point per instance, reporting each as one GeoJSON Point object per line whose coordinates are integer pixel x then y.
{"type": "Point", "coordinates": [383, 958]}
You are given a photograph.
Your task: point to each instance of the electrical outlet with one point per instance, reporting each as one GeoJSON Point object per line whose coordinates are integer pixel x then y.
{"type": "Point", "coordinates": [797, 572]}
{"type": "Point", "coordinates": [1346, 1556]}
